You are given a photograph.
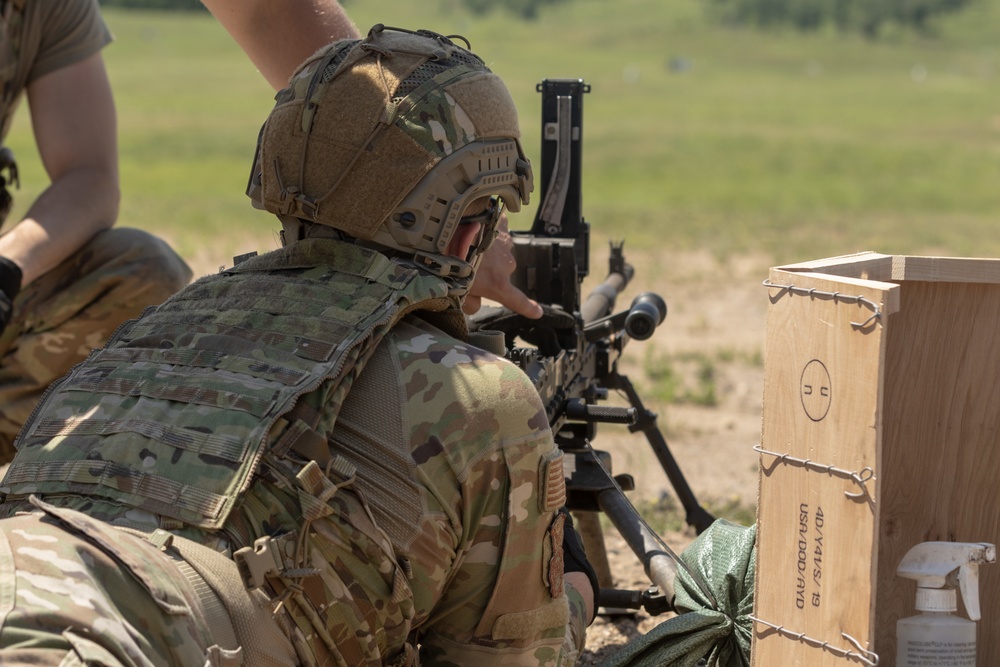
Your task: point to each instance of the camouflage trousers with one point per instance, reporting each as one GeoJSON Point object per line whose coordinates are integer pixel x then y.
{"type": "Point", "coordinates": [75, 591]}
{"type": "Point", "coordinates": [60, 317]}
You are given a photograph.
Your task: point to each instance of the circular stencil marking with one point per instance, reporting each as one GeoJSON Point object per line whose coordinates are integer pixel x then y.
{"type": "Point", "coordinates": [815, 390]}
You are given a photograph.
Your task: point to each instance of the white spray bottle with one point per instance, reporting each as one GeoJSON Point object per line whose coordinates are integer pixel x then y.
{"type": "Point", "coordinates": [936, 637]}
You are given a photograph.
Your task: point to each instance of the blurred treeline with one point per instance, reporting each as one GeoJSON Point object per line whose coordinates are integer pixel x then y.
{"type": "Point", "coordinates": [868, 17]}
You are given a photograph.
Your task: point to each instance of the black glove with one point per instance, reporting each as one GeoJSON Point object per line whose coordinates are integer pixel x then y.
{"type": "Point", "coordinates": [8, 164]}
{"type": "Point", "coordinates": [10, 285]}
{"type": "Point", "coordinates": [575, 558]}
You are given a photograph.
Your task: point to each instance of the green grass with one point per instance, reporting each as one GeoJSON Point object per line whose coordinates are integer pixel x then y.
{"type": "Point", "coordinates": [798, 146]}
{"type": "Point", "coordinates": [687, 377]}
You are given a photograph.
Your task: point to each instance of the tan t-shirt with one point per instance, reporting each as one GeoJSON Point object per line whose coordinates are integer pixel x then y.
{"type": "Point", "coordinates": [41, 36]}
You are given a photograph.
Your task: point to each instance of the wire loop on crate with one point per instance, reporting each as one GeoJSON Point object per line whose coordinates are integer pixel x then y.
{"type": "Point", "coordinates": [836, 296]}
{"type": "Point", "coordinates": [861, 478]}
{"type": "Point", "coordinates": [864, 655]}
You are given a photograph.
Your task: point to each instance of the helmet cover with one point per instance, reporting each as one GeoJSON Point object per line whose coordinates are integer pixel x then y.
{"type": "Point", "coordinates": [388, 139]}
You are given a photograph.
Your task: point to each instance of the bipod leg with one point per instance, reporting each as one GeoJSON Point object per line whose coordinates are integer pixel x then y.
{"type": "Point", "coordinates": [658, 560]}
{"type": "Point", "coordinates": [588, 524]}
{"type": "Point", "coordinates": [695, 515]}
{"type": "Point", "coordinates": [592, 489]}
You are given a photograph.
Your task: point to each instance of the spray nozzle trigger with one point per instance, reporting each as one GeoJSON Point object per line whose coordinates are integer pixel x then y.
{"type": "Point", "coordinates": [935, 564]}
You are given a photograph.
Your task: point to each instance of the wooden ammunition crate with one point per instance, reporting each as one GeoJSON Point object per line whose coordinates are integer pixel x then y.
{"type": "Point", "coordinates": [881, 429]}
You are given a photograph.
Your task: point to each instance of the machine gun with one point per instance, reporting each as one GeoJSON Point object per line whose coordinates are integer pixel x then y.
{"type": "Point", "coordinates": [571, 355]}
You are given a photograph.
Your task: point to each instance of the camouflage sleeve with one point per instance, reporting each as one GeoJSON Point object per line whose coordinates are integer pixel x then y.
{"type": "Point", "coordinates": [494, 477]}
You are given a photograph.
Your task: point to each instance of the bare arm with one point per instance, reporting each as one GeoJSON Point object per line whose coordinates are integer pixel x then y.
{"type": "Point", "coordinates": [279, 34]}
{"type": "Point", "coordinates": [73, 116]}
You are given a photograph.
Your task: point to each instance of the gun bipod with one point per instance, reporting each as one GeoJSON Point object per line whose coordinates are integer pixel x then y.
{"type": "Point", "coordinates": [591, 489]}
{"type": "Point", "coordinates": [621, 601]}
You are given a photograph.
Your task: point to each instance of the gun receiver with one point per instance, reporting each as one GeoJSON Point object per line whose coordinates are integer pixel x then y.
{"type": "Point", "coordinates": [571, 355]}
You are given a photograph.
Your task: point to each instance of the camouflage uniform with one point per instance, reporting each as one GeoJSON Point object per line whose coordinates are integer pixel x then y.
{"type": "Point", "coordinates": [429, 520]}
{"type": "Point", "coordinates": [315, 414]}
{"type": "Point", "coordinates": [61, 316]}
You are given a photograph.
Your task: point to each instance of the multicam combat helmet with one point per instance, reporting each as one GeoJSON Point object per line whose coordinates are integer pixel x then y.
{"type": "Point", "coordinates": [388, 139]}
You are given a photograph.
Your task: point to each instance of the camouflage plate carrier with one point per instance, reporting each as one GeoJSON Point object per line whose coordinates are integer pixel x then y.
{"type": "Point", "coordinates": [212, 370]}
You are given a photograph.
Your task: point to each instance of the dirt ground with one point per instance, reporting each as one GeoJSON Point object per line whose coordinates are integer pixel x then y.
{"type": "Point", "coordinates": [716, 311]}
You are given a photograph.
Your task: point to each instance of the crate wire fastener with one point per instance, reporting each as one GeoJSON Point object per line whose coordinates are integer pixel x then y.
{"type": "Point", "coordinates": [865, 656]}
{"type": "Point", "coordinates": [860, 478]}
{"type": "Point", "coordinates": [836, 296]}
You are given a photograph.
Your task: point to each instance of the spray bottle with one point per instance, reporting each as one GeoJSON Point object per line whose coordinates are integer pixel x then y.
{"type": "Point", "coordinates": [936, 637]}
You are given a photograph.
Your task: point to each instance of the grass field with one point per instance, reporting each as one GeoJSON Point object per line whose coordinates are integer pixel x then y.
{"type": "Point", "coordinates": [796, 146]}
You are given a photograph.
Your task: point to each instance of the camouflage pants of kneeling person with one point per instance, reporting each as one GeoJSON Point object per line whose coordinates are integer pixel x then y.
{"type": "Point", "coordinates": [60, 317]}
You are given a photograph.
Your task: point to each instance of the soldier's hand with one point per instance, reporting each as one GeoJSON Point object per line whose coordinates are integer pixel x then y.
{"type": "Point", "coordinates": [492, 280]}
{"type": "Point", "coordinates": [10, 285]}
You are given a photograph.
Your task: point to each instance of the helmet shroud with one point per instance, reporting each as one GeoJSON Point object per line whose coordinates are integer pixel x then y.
{"type": "Point", "coordinates": [388, 139]}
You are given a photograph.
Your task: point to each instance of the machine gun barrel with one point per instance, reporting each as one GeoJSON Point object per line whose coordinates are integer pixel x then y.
{"type": "Point", "coordinates": [600, 302]}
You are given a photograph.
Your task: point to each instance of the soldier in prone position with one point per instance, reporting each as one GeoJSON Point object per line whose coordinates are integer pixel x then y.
{"type": "Point", "coordinates": [304, 460]}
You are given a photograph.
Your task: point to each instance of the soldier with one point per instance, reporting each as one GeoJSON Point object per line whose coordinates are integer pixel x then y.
{"type": "Point", "coordinates": [66, 278]}
{"type": "Point", "coordinates": [304, 459]}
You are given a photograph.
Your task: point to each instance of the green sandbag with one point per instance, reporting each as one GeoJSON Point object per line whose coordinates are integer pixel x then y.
{"type": "Point", "coordinates": [722, 561]}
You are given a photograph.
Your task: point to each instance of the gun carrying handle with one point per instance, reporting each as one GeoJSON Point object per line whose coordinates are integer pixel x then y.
{"type": "Point", "coordinates": [550, 213]}
{"type": "Point", "coordinates": [561, 166]}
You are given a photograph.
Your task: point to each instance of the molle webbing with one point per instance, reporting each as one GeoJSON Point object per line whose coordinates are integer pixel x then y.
{"type": "Point", "coordinates": [172, 416]}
